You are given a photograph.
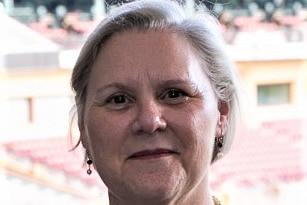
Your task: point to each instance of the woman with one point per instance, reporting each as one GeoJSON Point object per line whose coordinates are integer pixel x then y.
{"type": "Point", "coordinates": [156, 103]}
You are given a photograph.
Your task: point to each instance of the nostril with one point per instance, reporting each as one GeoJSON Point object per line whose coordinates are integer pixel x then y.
{"type": "Point", "coordinates": [148, 118]}
{"type": "Point", "coordinates": [149, 125]}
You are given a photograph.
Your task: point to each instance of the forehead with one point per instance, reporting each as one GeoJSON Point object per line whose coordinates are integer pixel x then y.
{"type": "Point", "coordinates": [135, 47]}
{"type": "Point", "coordinates": [134, 55]}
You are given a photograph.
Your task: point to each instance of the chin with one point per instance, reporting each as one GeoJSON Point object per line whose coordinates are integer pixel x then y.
{"type": "Point", "coordinates": [157, 186]}
{"type": "Point", "coordinates": [156, 193]}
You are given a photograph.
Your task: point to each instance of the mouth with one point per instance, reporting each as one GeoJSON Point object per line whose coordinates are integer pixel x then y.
{"type": "Point", "coordinates": [151, 154]}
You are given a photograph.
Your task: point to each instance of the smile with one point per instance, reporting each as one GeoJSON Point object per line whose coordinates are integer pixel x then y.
{"type": "Point", "coordinates": [151, 154]}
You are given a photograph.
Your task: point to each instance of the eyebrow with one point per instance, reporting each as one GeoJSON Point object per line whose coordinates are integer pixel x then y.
{"type": "Point", "coordinates": [111, 85]}
{"type": "Point", "coordinates": [179, 82]}
{"type": "Point", "coordinates": [165, 83]}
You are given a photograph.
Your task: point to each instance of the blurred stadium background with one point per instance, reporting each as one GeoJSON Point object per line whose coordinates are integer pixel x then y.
{"type": "Point", "coordinates": [39, 43]}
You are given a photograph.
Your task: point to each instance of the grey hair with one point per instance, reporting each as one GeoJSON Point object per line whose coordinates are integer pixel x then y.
{"type": "Point", "coordinates": [202, 31]}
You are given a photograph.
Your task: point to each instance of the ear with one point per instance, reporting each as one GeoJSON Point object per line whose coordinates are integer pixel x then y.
{"type": "Point", "coordinates": [83, 135]}
{"type": "Point", "coordinates": [224, 111]}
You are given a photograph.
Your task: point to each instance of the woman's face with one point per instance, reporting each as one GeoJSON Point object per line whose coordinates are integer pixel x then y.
{"type": "Point", "coordinates": [150, 117]}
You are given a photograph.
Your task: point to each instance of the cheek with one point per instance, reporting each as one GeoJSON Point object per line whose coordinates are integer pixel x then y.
{"type": "Point", "coordinates": [103, 132]}
{"type": "Point", "coordinates": [195, 128]}
{"type": "Point", "coordinates": [199, 120]}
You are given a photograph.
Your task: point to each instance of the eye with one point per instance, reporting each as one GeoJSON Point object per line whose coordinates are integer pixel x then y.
{"type": "Point", "coordinates": [118, 101]}
{"type": "Point", "coordinates": [174, 93]}
{"type": "Point", "coordinates": [174, 96]}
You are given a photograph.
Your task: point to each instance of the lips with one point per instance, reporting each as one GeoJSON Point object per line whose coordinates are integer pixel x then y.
{"type": "Point", "coordinates": [151, 154]}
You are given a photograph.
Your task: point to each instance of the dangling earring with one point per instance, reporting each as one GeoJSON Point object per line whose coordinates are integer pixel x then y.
{"type": "Point", "coordinates": [219, 143]}
{"type": "Point", "coordinates": [89, 162]}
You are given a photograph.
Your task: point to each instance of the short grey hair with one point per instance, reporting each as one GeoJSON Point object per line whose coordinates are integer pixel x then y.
{"type": "Point", "coordinates": [202, 31]}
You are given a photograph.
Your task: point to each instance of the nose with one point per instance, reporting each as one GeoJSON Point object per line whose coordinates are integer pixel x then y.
{"type": "Point", "coordinates": [148, 118]}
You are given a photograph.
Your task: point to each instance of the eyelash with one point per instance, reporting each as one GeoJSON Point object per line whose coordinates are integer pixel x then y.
{"type": "Point", "coordinates": [172, 91]}
{"type": "Point", "coordinates": [118, 101]}
{"type": "Point", "coordinates": [171, 96]}
{"type": "Point", "coordinates": [116, 96]}
{"type": "Point", "coordinates": [174, 96]}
